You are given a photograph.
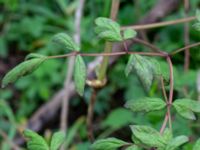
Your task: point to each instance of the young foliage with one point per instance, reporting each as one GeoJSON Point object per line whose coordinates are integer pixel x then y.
{"type": "Point", "coordinates": [145, 104]}
{"type": "Point", "coordinates": [176, 142]}
{"type": "Point", "coordinates": [198, 14]}
{"type": "Point", "coordinates": [56, 140]}
{"type": "Point", "coordinates": [22, 69]}
{"type": "Point", "coordinates": [197, 145]}
{"type": "Point", "coordinates": [148, 136]}
{"type": "Point", "coordinates": [144, 69]}
{"type": "Point", "coordinates": [66, 41]}
{"type": "Point", "coordinates": [197, 24]}
{"type": "Point", "coordinates": [108, 29]}
{"type": "Point", "coordinates": [186, 108]}
{"type": "Point", "coordinates": [80, 73]}
{"type": "Point", "coordinates": [108, 144]}
{"type": "Point", "coordinates": [35, 141]}
{"type": "Point", "coordinates": [129, 33]}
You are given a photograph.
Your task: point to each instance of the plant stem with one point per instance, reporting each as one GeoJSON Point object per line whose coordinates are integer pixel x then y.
{"type": "Point", "coordinates": [171, 88]}
{"type": "Point", "coordinates": [90, 115]}
{"type": "Point", "coordinates": [186, 39]}
{"type": "Point", "coordinates": [104, 65]}
{"type": "Point", "coordinates": [186, 47]}
{"type": "Point", "coordinates": [107, 54]}
{"type": "Point", "coordinates": [108, 45]}
{"type": "Point", "coordinates": [164, 123]}
{"type": "Point", "coordinates": [160, 24]}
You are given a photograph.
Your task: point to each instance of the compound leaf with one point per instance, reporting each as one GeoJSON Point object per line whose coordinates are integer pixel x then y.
{"type": "Point", "coordinates": [35, 141]}
{"type": "Point", "coordinates": [143, 69]}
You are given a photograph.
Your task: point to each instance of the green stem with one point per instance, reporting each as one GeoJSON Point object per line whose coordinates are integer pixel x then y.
{"type": "Point", "coordinates": [104, 65]}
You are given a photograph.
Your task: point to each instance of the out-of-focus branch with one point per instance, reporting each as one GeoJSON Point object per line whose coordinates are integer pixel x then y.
{"type": "Point", "coordinates": [5, 137]}
{"type": "Point", "coordinates": [186, 37]}
{"type": "Point", "coordinates": [65, 101]}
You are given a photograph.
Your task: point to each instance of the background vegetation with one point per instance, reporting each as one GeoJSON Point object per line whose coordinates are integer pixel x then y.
{"type": "Point", "coordinates": [28, 26]}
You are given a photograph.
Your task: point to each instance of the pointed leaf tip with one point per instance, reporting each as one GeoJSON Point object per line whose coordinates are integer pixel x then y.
{"type": "Point", "coordinates": [22, 69]}
{"type": "Point", "coordinates": [66, 41]}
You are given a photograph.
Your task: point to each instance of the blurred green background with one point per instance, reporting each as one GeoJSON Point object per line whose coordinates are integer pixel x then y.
{"type": "Point", "coordinates": [27, 26]}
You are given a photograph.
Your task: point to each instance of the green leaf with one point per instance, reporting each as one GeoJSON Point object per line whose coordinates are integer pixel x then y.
{"type": "Point", "coordinates": [133, 147]}
{"type": "Point", "coordinates": [109, 36]}
{"type": "Point", "coordinates": [143, 69]}
{"type": "Point", "coordinates": [22, 69]}
{"type": "Point", "coordinates": [197, 145]}
{"type": "Point", "coordinates": [66, 41]}
{"type": "Point", "coordinates": [80, 73]}
{"type": "Point", "coordinates": [108, 144]}
{"type": "Point", "coordinates": [176, 142]}
{"type": "Point", "coordinates": [129, 33]}
{"type": "Point", "coordinates": [108, 29]}
{"type": "Point", "coordinates": [56, 140]}
{"type": "Point", "coordinates": [167, 135]}
{"type": "Point", "coordinates": [35, 141]}
{"type": "Point", "coordinates": [198, 14]}
{"type": "Point", "coordinates": [148, 136]}
{"type": "Point", "coordinates": [145, 104]}
{"type": "Point", "coordinates": [116, 119]}
{"type": "Point", "coordinates": [73, 131]}
{"type": "Point", "coordinates": [196, 26]}
{"type": "Point", "coordinates": [34, 55]}
{"type": "Point", "coordinates": [186, 107]}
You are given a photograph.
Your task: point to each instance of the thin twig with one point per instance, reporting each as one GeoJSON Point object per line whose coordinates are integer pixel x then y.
{"type": "Point", "coordinates": [186, 37]}
{"type": "Point", "coordinates": [186, 47]}
{"type": "Point", "coordinates": [171, 86]}
{"type": "Point", "coordinates": [160, 24]}
{"type": "Point", "coordinates": [151, 46]}
{"type": "Point", "coordinates": [90, 113]}
{"type": "Point", "coordinates": [163, 89]}
{"type": "Point", "coordinates": [5, 137]}
{"type": "Point", "coordinates": [107, 54]}
{"type": "Point", "coordinates": [164, 123]}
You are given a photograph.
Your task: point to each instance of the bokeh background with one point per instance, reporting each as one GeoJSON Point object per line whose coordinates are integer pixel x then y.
{"type": "Point", "coordinates": [27, 26]}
